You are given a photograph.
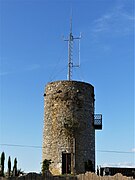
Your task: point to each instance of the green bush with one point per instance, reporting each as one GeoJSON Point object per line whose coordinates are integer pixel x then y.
{"type": "Point", "coordinates": [45, 165]}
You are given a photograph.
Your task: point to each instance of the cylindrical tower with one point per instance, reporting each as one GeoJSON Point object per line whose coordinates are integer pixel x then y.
{"type": "Point", "coordinates": [69, 133]}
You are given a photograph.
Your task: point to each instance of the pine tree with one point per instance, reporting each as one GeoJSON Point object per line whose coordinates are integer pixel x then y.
{"type": "Point", "coordinates": [9, 166]}
{"type": "Point", "coordinates": [15, 167]}
{"type": "Point", "coordinates": [2, 163]}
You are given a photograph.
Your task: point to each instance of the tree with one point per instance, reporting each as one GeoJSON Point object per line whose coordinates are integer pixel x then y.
{"type": "Point", "coordinates": [45, 165]}
{"type": "Point", "coordinates": [9, 166]}
{"type": "Point", "coordinates": [2, 163]}
{"type": "Point", "coordinates": [89, 166]}
{"type": "Point", "coordinates": [97, 170]}
{"type": "Point", "coordinates": [20, 172]}
{"type": "Point", "coordinates": [15, 167]}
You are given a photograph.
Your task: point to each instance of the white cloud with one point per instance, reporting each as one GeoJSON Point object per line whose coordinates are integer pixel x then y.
{"type": "Point", "coordinates": [133, 150]}
{"type": "Point", "coordinates": [5, 73]}
{"type": "Point", "coordinates": [32, 67]}
{"type": "Point", "coordinates": [117, 21]}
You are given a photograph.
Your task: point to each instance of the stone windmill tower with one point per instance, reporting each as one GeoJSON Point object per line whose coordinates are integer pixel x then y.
{"type": "Point", "coordinates": [70, 123]}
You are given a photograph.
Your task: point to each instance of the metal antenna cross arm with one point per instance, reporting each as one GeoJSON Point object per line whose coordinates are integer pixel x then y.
{"type": "Point", "coordinates": [70, 40]}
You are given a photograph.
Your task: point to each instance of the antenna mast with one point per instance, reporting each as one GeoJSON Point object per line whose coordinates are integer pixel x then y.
{"type": "Point", "coordinates": [70, 51]}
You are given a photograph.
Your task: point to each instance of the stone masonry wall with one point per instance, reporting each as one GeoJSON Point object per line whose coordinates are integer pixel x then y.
{"type": "Point", "coordinates": [86, 176]}
{"type": "Point", "coordinates": [68, 124]}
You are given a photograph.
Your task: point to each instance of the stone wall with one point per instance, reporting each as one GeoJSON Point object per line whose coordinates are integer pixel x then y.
{"type": "Point", "coordinates": [86, 176]}
{"type": "Point", "coordinates": [68, 124]}
{"type": "Point", "coordinates": [92, 176]}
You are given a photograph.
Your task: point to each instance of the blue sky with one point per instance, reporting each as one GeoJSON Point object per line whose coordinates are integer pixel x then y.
{"type": "Point", "coordinates": [33, 53]}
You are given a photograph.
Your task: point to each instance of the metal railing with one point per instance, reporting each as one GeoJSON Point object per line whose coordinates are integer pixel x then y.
{"type": "Point", "coordinates": [98, 121]}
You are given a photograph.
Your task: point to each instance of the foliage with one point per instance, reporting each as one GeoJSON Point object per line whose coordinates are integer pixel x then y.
{"type": "Point", "coordinates": [15, 167]}
{"type": "Point", "coordinates": [2, 163]}
{"type": "Point", "coordinates": [14, 172]}
{"type": "Point", "coordinates": [9, 166]}
{"type": "Point", "coordinates": [45, 165]}
{"type": "Point", "coordinates": [20, 172]}
{"type": "Point", "coordinates": [89, 166]}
